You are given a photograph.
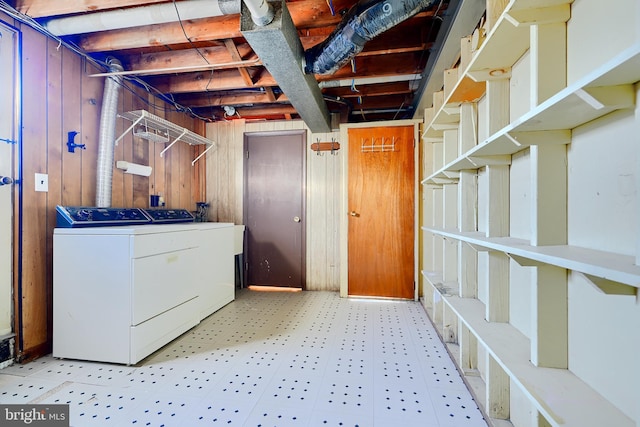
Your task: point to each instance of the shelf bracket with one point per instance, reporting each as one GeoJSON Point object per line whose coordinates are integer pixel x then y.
{"type": "Point", "coordinates": [184, 132]}
{"type": "Point", "coordinates": [202, 154]}
{"type": "Point", "coordinates": [525, 262]}
{"type": "Point", "coordinates": [610, 287]}
{"type": "Point", "coordinates": [128, 129]}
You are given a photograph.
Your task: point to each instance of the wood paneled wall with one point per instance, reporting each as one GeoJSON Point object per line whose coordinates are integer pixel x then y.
{"type": "Point", "coordinates": [225, 192]}
{"type": "Point", "coordinates": [58, 96]}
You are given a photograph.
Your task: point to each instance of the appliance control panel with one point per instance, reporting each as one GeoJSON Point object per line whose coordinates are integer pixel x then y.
{"type": "Point", "coordinates": [168, 216]}
{"type": "Point", "coordinates": [87, 216]}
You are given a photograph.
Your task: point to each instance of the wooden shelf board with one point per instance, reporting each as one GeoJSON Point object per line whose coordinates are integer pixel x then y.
{"type": "Point", "coordinates": [607, 265]}
{"type": "Point", "coordinates": [558, 394]}
{"type": "Point", "coordinates": [436, 280]}
{"type": "Point", "coordinates": [568, 109]}
{"type": "Point", "coordinates": [507, 42]}
{"type": "Point", "coordinates": [504, 45]}
{"type": "Point", "coordinates": [466, 90]}
{"type": "Point", "coordinates": [573, 106]}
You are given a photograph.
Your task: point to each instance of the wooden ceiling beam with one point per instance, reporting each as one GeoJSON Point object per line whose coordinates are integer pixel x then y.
{"type": "Point", "coordinates": [381, 66]}
{"type": "Point", "coordinates": [41, 8]}
{"type": "Point", "coordinates": [268, 110]}
{"type": "Point", "coordinates": [383, 102]}
{"type": "Point", "coordinates": [208, 81]}
{"type": "Point", "coordinates": [235, 55]}
{"type": "Point", "coordinates": [305, 13]}
{"type": "Point", "coordinates": [219, 99]}
{"type": "Point", "coordinates": [216, 28]}
{"type": "Point", "coordinates": [380, 89]}
{"type": "Point", "coordinates": [188, 58]}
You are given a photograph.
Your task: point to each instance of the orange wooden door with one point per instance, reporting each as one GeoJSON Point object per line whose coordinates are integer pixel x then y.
{"type": "Point", "coordinates": [381, 212]}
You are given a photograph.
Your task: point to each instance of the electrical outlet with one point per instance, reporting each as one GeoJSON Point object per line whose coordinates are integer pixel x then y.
{"type": "Point", "coordinates": [42, 182]}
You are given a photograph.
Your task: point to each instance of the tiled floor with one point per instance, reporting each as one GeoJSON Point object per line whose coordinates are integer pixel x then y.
{"type": "Point", "coordinates": [269, 359]}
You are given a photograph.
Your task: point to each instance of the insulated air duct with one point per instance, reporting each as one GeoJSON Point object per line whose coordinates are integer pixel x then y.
{"type": "Point", "coordinates": [107, 136]}
{"type": "Point", "coordinates": [364, 21]}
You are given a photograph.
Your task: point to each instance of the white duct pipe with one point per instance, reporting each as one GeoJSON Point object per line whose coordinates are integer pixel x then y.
{"type": "Point", "coordinates": [261, 12]}
{"type": "Point", "coordinates": [143, 15]}
{"type": "Point", "coordinates": [107, 135]}
{"type": "Point", "coordinates": [325, 84]}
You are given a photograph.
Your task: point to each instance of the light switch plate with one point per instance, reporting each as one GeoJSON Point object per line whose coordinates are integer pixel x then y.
{"type": "Point", "coordinates": [42, 182]}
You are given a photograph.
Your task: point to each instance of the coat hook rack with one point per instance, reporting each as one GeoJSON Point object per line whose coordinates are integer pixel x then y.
{"type": "Point", "coordinates": [71, 145]}
{"type": "Point", "coordinates": [384, 146]}
{"type": "Point", "coordinates": [332, 146]}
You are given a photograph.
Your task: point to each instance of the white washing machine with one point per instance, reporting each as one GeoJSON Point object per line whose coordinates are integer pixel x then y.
{"type": "Point", "coordinates": [122, 292]}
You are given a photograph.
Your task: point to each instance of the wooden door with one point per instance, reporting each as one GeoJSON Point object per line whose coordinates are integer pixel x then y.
{"type": "Point", "coordinates": [8, 50]}
{"type": "Point", "coordinates": [274, 211]}
{"type": "Point", "coordinates": [381, 198]}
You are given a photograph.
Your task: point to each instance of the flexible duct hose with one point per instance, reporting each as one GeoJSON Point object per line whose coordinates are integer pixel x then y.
{"type": "Point", "coordinates": [107, 136]}
{"type": "Point", "coordinates": [364, 21]}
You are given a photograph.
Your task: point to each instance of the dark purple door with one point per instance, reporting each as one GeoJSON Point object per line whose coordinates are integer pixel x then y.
{"type": "Point", "coordinates": [274, 208]}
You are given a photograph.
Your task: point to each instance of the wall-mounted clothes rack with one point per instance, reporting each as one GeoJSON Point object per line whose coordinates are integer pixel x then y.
{"type": "Point", "coordinates": [383, 145]}
{"type": "Point", "coordinates": [332, 146]}
{"type": "Point", "coordinates": [157, 129]}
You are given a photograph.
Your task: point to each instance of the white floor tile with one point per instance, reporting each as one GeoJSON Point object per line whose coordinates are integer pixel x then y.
{"type": "Point", "coordinates": [269, 359]}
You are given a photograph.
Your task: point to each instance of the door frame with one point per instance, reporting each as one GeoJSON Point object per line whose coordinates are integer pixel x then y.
{"type": "Point", "coordinates": [344, 218]}
{"type": "Point", "coordinates": [303, 237]}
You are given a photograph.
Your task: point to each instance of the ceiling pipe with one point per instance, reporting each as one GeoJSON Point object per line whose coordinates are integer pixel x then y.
{"type": "Point", "coordinates": [412, 78]}
{"type": "Point", "coordinates": [364, 21]}
{"type": "Point", "coordinates": [139, 16]}
{"type": "Point", "coordinates": [261, 12]}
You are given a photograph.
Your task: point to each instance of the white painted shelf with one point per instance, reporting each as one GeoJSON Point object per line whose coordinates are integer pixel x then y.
{"type": "Point", "coordinates": [163, 131]}
{"type": "Point", "coordinates": [605, 265]}
{"type": "Point", "coordinates": [506, 151]}
{"type": "Point", "coordinates": [604, 90]}
{"type": "Point", "coordinates": [509, 39]}
{"type": "Point", "coordinates": [556, 393]}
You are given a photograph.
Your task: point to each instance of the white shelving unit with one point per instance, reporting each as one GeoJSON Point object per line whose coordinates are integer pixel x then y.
{"type": "Point", "coordinates": [507, 262]}
{"type": "Point", "coordinates": [157, 129]}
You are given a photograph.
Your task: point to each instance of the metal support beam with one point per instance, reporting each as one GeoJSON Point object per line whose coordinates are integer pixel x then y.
{"type": "Point", "coordinates": [278, 46]}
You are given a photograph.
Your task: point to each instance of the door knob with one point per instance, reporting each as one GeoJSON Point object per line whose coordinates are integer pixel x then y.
{"type": "Point", "coordinates": [296, 219]}
{"type": "Point", "coordinates": [354, 213]}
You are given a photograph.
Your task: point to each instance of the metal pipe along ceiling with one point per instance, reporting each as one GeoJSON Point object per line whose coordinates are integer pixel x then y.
{"type": "Point", "coordinates": [364, 21]}
{"type": "Point", "coordinates": [143, 15]}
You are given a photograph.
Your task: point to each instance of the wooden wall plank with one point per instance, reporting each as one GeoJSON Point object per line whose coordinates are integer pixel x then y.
{"type": "Point", "coordinates": [140, 156]}
{"type": "Point", "coordinates": [55, 147]}
{"type": "Point", "coordinates": [32, 312]}
{"type": "Point", "coordinates": [91, 102]}
{"type": "Point", "coordinates": [71, 121]}
{"type": "Point", "coordinates": [117, 181]}
{"type": "Point", "coordinates": [498, 402]}
{"type": "Point", "coordinates": [127, 154]}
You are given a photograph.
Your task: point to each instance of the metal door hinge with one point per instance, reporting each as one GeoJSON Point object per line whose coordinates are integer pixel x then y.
{"type": "Point", "coordinates": [247, 154]}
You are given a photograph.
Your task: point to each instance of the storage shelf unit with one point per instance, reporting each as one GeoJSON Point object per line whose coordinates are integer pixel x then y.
{"type": "Point", "coordinates": [163, 131]}
{"type": "Point", "coordinates": [557, 393]}
{"type": "Point", "coordinates": [515, 119]}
